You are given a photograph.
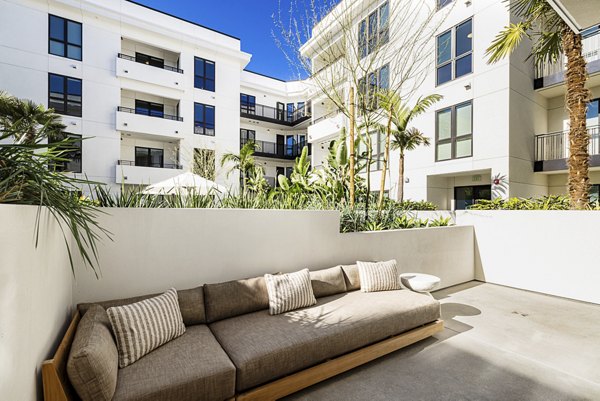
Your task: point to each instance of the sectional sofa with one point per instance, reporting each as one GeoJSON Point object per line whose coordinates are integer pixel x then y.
{"type": "Point", "coordinates": [234, 349]}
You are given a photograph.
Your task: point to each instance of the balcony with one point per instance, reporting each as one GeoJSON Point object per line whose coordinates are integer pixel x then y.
{"type": "Point", "coordinates": [553, 74]}
{"type": "Point", "coordinates": [326, 127]}
{"type": "Point", "coordinates": [552, 150]}
{"type": "Point", "coordinates": [128, 173]}
{"type": "Point", "coordinates": [273, 115]}
{"type": "Point", "coordinates": [167, 76]}
{"type": "Point", "coordinates": [277, 150]}
{"type": "Point", "coordinates": [161, 124]}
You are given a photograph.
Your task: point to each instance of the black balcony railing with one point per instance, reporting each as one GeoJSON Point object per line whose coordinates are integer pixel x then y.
{"type": "Point", "coordinates": [552, 150]}
{"type": "Point", "coordinates": [277, 150]}
{"type": "Point", "coordinates": [273, 114]}
{"type": "Point", "coordinates": [155, 165]}
{"type": "Point", "coordinates": [158, 115]}
{"type": "Point", "coordinates": [164, 67]}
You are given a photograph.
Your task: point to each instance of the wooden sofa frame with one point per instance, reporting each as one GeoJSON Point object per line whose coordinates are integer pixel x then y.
{"type": "Point", "coordinates": [58, 388]}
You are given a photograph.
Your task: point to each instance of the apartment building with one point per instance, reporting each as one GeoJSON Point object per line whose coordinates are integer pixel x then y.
{"type": "Point", "coordinates": [149, 93]}
{"type": "Point", "coordinates": [500, 129]}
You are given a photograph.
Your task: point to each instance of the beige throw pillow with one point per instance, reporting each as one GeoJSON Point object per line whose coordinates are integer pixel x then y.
{"type": "Point", "coordinates": [378, 276]}
{"type": "Point", "coordinates": [289, 291]}
{"type": "Point", "coordinates": [146, 325]}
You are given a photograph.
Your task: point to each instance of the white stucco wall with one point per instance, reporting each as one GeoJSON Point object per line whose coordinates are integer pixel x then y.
{"type": "Point", "coordinates": [35, 299]}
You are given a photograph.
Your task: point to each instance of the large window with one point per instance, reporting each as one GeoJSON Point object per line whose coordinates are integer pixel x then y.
{"type": "Point", "coordinates": [204, 74]}
{"type": "Point", "coordinates": [455, 52]}
{"type": "Point", "coordinates": [149, 60]}
{"type": "Point", "coordinates": [373, 83]}
{"type": "Point", "coordinates": [70, 152]}
{"type": "Point", "coordinates": [64, 38]}
{"type": "Point", "coordinates": [64, 95]}
{"type": "Point", "coordinates": [247, 135]}
{"type": "Point", "coordinates": [443, 3]}
{"type": "Point", "coordinates": [374, 30]}
{"type": "Point", "coordinates": [149, 157]}
{"type": "Point", "coordinates": [204, 119]}
{"type": "Point", "coordinates": [454, 132]}
{"type": "Point", "coordinates": [377, 150]}
{"type": "Point", "coordinates": [149, 108]}
{"type": "Point", "coordinates": [247, 104]}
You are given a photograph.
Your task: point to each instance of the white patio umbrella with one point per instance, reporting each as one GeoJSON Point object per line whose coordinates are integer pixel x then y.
{"type": "Point", "coordinates": [185, 184]}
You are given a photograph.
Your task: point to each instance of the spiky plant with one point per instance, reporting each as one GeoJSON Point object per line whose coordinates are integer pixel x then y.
{"type": "Point", "coordinates": [244, 162]}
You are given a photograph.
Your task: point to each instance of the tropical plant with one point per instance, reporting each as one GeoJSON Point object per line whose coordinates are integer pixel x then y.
{"type": "Point", "coordinates": [243, 162]}
{"type": "Point", "coordinates": [552, 38]}
{"type": "Point", "coordinates": [302, 179]}
{"type": "Point", "coordinates": [550, 202]}
{"type": "Point", "coordinates": [403, 138]}
{"type": "Point", "coordinates": [28, 175]}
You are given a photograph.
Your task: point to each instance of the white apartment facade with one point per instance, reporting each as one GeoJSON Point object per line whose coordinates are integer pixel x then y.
{"type": "Point", "coordinates": [499, 130]}
{"type": "Point", "coordinates": [146, 90]}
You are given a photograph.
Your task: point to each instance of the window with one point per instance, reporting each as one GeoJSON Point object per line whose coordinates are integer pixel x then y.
{"type": "Point", "coordinates": [204, 119]}
{"type": "Point", "coordinates": [204, 74]}
{"type": "Point", "coordinates": [374, 30]}
{"type": "Point", "coordinates": [454, 61]}
{"type": "Point", "coordinates": [376, 81]}
{"type": "Point", "coordinates": [149, 108]}
{"type": "Point", "coordinates": [64, 95]}
{"type": "Point", "coordinates": [464, 197]}
{"type": "Point", "coordinates": [377, 150]}
{"type": "Point", "coordinates": [290, 111]}
{"type": "Point", "coordinates": [71, 152]}
{"type": "Point", "coordinates": [204, 163]}
{"type": "Point", "coordinates": [593, 110]}
{"type": "Point", "coordinates": [149, 157]}
{"type": "Point", "coordinates": [64, 38]}
{"type": "Point", "coordinates": [454, 132]}
{"type": "Point", "coordinates": [149, 60]}
{"type": "Point", "coordinates": [443, 3]}
{"type": "Point", "coordinates": [594, 193]}
{"type": "Point", "coordinates": [247, 135]}
{"type": "Point", "coordinates": [247, 104]}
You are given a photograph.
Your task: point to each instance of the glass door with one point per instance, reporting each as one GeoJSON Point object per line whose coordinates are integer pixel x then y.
{"type": "Point", "coordinates": [467, 196]}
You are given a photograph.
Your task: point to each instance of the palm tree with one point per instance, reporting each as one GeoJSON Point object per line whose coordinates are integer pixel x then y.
{"type": "Point", "coordinates": [244, 162]}
{"type": "Point", "coordinates": [398, 134]}
{"type": "Point", "coordinates": [552, 38]}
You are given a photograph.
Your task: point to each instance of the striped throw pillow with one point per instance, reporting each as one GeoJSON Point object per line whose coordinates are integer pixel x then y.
{"type": "Point", "coordinates": [289, 291]}
{"type": "Point", "coordinates": [378, 276]}
{"type": "Point", "coordinates": [146, 325]}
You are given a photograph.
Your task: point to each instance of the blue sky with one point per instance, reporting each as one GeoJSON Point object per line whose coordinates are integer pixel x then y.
{"type": "Point", "coordinates": [251, 21]}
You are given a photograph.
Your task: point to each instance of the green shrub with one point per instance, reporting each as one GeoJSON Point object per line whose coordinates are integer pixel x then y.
{"type": "Point", "coordinates": [551, 202]}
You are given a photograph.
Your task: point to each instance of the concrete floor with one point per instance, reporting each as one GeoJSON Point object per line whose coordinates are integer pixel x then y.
{"type": "Point", "coordinates": [499, 344]}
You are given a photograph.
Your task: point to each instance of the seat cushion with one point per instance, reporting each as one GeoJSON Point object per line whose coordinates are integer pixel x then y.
{"type": "Point", "coordinates": [265, 347]}
{"type": "Point", "coordinates": [93, 359]}
{"type": "Point", "coordinates": [328, 282]}
{"type": "Point", "coordinates": [191, 304]}
{"type": "Point", "coordinates": [191, 367]}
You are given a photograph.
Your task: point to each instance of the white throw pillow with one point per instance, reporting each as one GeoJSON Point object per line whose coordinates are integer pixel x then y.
{"type": "Point", "coordinates": [146, 325]}
{"type": "Point", "coordinates": [289, 291]}
{"type": "Point", "coordinates": [378, 276]}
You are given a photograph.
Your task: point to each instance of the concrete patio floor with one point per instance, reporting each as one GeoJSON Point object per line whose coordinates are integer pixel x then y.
{"type": "Point", "coordinates": [499, 343]}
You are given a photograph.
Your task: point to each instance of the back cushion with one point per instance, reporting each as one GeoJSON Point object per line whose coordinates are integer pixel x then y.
{"type": "Point", "coordinates": [351, 277]}
{"type": "Point", "coordinates": [328, 281]}
{"type": "Point", "coordinates": [191, 304]}
{"type": "Point", "coordinates": [93, 360]}
{"type": "Point", "coordinates": [234, 298]}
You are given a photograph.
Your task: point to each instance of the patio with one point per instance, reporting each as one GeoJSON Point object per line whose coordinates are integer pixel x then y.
{"type": "Point", "coordinates": [499, 343]}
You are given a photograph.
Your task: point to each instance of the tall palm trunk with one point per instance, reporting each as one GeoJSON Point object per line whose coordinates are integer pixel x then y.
{"type": "Point", "coordinates": [386, 156]}
{"type": "Point", "coordinates": [400, 196]}
{"type": "Point", "coordinates": [576, 101]}
{"type": "Point", "coordinates": [351, 134]}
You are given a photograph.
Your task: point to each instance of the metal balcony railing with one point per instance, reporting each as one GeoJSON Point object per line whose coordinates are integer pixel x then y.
{"type": "Point", "coordinates": [591, 52]}
{"type": "Point", "coordinates": [164, 67]}
{"type": "Point", "coordinates": [555, 145]}
{"type": "Point", "coordinates": [155, 165]}
{"type": "Point", "coordinates": [277, 150]}
{"type": "Point", "coordinates": [158, 115]}
{"type": "Point", "coordinates": [273, 114]}
{"type": "Point", "coordinates": [325, 116]}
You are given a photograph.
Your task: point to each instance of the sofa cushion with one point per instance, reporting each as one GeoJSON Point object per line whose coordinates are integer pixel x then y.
{"type": "Point", "coordinates": [234, 298]}
{"type": "Point", "coordinates": [265, 347]}
{"type": "Point", "coordinates": [351, 277]}
{"type": "Point", "coordinates": [378, 276]}
{"type": "Point", "coordinates": [289, 291]}
{"type": "Point", "coordinates": [191, 304]}
{"type": "Point", "coordinates": [93, 360]}
{"type": "Point", "coordinates": [192, 367]}
{"type": "Point", "coordinates": [328, 281]}
{"type": "Point", "coordinates": [144, 326]}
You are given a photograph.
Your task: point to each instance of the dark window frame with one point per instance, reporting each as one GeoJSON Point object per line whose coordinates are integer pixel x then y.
{"type": "Point", "coordinates": [443, 3]}
{"type": "Point", "coordinates": [204, 78]}
{"type": "Point", "coordinates": [453, 56]}
{"type": "Point", "coordinates": [453, 137]}
{"type": "Point", "coordinates": [204, 126]}
{"type": "Point", "coordinates": [65, 41]}
{"type": "Point", "coordinates": [247, 106]}
{"type": "Point", "coordinates": [150, 60]}
{"type": "Point", "coordinates": [367, 89]}
{"type": "Point", "coordinates": [247, 134]}
{"type": "Point", "coordinates": [70, 153]}
{"type": "Point", "coordinates": [371, 37]}
{"type": "Point", "coordinates": [149, 154]}
{"type": "Point", "coordinates": [65, 93]}
{"type": "Point", "coordinates": [151, 107]}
